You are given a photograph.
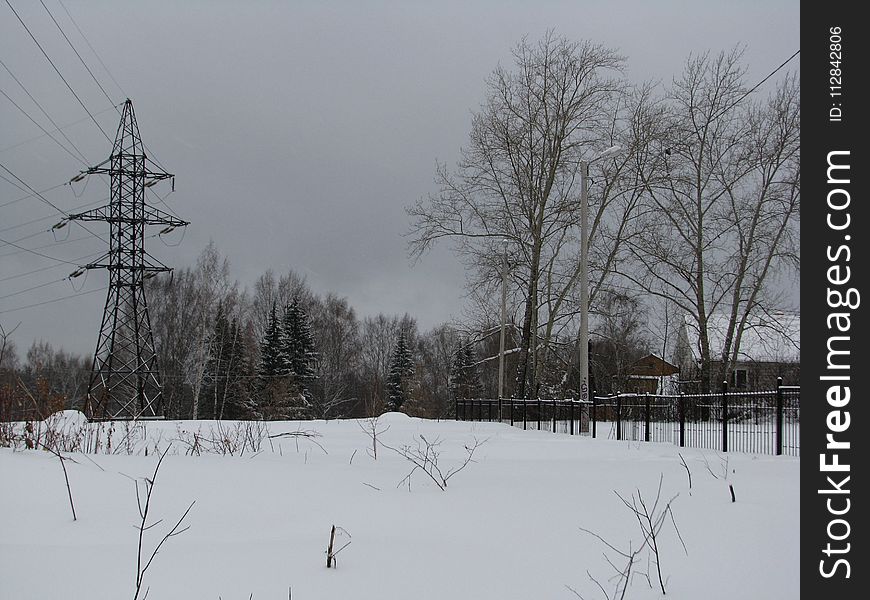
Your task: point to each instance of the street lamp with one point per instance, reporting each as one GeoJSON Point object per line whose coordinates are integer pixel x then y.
{"type": "Point", "coordinates": [504, 274]}
{"type": "Point", "coordinates": [584, 267]}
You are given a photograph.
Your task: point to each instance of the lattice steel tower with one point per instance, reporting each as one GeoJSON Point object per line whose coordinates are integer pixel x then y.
{"type": "Point", "coordinates": [125, 381]}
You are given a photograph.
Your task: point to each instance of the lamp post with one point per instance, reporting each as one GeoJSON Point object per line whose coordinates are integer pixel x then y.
{"type": "Point", "coordinates": [504, 272]}
{"type": "Point", "coordinates": [584, 268]}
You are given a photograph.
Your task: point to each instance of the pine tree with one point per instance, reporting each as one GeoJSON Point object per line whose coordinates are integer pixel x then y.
{"type": "Point", "coordinates": [464, 373]}
{"type": "Point", "coordinates": [401, 369]}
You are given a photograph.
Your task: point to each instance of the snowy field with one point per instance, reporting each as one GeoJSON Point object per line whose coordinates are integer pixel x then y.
{"type": "Point", "coordinates": [508, 526]}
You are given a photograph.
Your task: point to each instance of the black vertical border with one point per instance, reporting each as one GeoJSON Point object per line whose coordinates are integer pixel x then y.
{"type": "Point", "coordinates": [819, 136]}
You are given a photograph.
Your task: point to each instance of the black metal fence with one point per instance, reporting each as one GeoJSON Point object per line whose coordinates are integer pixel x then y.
{"type": "Point", "coordinates": [764, 422]}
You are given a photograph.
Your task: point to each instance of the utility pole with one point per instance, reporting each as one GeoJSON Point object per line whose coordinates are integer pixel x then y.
{"type": "Point", "coordinates": [504, 275]}
{"type": "Point", "coordinates": [125, 381]}
{"type": "Point", "coordinates": [584, 282]}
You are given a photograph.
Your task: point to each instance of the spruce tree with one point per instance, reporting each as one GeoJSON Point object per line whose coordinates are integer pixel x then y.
{"type": "Point", "coordinates": [274, 372]}
{"type": "Point", "coordinates": [298, 347]}
{"type": "Point", "coordinates": [464, 373]}
{"type": "Point", "coordinates": [401, 369]}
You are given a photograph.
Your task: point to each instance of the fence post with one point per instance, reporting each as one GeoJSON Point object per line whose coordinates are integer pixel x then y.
{"type": "Point", "coordinates": [682, 408]}
{"type": "Point", "coordinates": [554, 416]}
{"type": "Point", "coordinates": [500, 420]}
{"type": "Point", "coordinates": [456, 408]}
{"type": "Point", "coordinates": [539, 413]}
{"type": "Point", "coordinates": [618, 415]}
{"type": "Point", "coordinates": [725, 416]}
{"type": "Point", "coordinates": [525, 402]}
{"type": "Point", "coordinates": [571, 416]}
{"type": "Point", "coordinates": [594, 415]}
{"type": "Point", "coordinates": [489, 410]}
{"type": "Point", "coordinates": [779, 416]}
{"type": "Point", "coordinates": [512, 410]}
{"type": "Point", "coordinates": [646, 415]}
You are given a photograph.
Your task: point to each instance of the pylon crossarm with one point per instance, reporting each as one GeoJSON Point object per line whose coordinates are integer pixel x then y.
{"type": "Point", "coordinates": [152, 216]}
{"type": "Point", "coordinates": [155, 216]}
{"type": "Point", "coordinates": [151, 176]}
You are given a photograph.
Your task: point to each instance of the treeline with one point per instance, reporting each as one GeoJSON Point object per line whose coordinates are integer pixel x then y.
{"type": "Point", "coordinates": [277, 350]}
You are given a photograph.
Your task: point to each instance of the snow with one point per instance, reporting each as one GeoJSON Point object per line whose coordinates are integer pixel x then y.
{"type": "Point", "coordinates": [506, 527]}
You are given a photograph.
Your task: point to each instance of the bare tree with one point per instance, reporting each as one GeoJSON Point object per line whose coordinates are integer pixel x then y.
{"type": "Point", "coordinates": [620, 340]}
{"type": "Point", "coordinates": [183, 308]}
{"type": "Point", "coordinates": [722, 200]}
{"type": "Point", "coordinates": [213, 288]}
{"type": "Point", "coordinates": [269, 290]}
{"type": "Point", "coordinates": [8, 357]}
{"type": "Point", "coordinates": [518, 180]}
{"type": "Point", "coordinates": [379, 335]}
{"type": "Point", "coordinates": [337, 338]}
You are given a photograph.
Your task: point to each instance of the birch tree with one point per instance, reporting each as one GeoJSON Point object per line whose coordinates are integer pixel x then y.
{"type": "Point", "coordinates": [722, 201]}
{"type": "Point", "coordinates": [518, 177]}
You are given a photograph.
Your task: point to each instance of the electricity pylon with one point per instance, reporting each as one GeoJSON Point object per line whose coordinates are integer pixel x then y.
{"type": "Point", "coordinates": [125, 381]}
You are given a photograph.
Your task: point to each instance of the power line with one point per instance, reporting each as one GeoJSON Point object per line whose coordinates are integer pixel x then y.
{"type": "Point", "coordinates": [31, 195]}
{"type": "Point", "coordinates": [44, 199]}
{"type": "Point", "coordinates": [27, 237]}
{"type": "Point", "coordinates": [56, 129]}
{"type": "Point", "coordinates": [14, 245]}
{"type": "Point", "coordinates": [87, 68]}
{"type": "Point", "coordinates": [45, 218]}
{"type": "Point", "coordinates": [17, 308]}
{"type": "Point", "coordinates": [56, 70]}
{"type": "Point", "coordinates": [43, 129]}
{"type": "Point", "coordinates": [52, 245]}
{"type": "Point", "coordinates": [35, 287]}
{"type": "Point", "coordinates": [40, 270]}
{"type": "Point", "coordinates": [39, 106]}
{"type": "Point", "coordinates": [85, 38]}
{"type": "Point", "coordinates": [746, 93]}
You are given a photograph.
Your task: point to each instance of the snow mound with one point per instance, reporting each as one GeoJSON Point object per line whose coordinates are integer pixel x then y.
{"type": "Point", "coordinates": [67, 419]}
{"type": "Point", "coordinates": [394, 417]}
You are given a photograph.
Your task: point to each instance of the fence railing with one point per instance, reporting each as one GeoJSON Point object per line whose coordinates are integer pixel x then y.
{"type": "Point", "coordinates": [765, 422]}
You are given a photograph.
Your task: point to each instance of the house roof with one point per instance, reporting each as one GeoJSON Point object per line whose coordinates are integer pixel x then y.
{"type": "Point", "coordinates": [771, 338]}
{"type": "Point", "coordinates": [652, 366]}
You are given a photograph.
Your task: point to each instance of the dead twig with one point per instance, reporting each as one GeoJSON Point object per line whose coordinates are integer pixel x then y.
{"type": "Point", "coordinates": [425, 454]}
{"type": "Point", "coordinates": [142, 564]}
{"type": "Point", "coordinates": [309, 435]}
{"type": "Point", "coordinates": [688, 472]}
{"type": "Point", "coordinates": [371, 429]}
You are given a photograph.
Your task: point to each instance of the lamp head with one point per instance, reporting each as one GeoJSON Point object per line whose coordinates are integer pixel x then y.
{"type": "Point", "coordinates": [611, 152]}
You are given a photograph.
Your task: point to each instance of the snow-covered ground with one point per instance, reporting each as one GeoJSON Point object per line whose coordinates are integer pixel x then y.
{"type": "Point", "coordinates": [508, 526]}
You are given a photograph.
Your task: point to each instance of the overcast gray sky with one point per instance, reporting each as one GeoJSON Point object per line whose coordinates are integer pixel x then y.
{"type": "Point", "coordinates": [298, 131]}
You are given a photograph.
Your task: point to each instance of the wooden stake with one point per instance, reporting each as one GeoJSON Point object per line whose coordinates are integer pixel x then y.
{"type": "Point", "coordinates": [329, 556]}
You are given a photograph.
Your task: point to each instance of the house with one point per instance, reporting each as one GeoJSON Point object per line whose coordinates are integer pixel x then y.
{"type": "Point", "coordinates": [769, 348]}
{"type": "Point", "coordinates": [652, 374]}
